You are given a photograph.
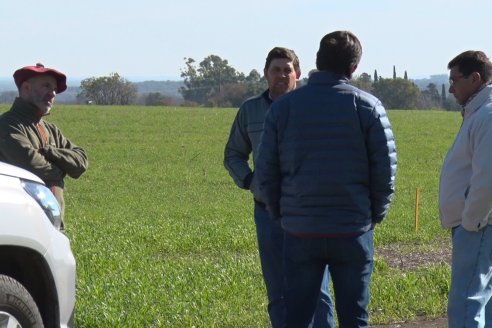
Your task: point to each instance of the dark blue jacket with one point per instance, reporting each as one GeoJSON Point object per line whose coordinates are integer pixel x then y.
{"type": "Point", "coordinates": [326, 163]}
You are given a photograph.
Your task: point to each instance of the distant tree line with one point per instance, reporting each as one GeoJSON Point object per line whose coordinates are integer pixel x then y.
{"type": "Point", "coordinates": [401, 93]}
{"type": "Point", "coordinates": [214, 83]}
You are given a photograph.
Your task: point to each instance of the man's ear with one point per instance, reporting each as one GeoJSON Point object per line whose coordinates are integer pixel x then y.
{"type": "Point", "coordinates": [476, 77]}
{"type": "Point", "coordinates": [354, 68]}
{"type": "Point", "coordinates": [24, 88]}
{"type": "Point", "coordinates": [298, 74]}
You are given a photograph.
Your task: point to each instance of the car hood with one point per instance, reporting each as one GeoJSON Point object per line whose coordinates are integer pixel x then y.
{"type": "Point", "coordinates": [14, 171]}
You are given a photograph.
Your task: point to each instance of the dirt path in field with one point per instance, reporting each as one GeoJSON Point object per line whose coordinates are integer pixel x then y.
{"type": "Point", "coordinates": [433, 323]}
{"type": "Point", "coordinates": [397, 257]}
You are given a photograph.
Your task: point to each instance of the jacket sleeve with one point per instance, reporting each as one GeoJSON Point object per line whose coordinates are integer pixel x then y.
{"type": "Point", "coordinates": [267, 167]}
{"type": "Point", "coordinates": [237, 152]}
{"type": "Point", "coordinates": [381, 151]}
{"type": "Point", "coordinates": [70, 158]}
{"type": "Point", "coordinates": [18, 150]}
{"type": "Point", "coordinates": [478, 198]}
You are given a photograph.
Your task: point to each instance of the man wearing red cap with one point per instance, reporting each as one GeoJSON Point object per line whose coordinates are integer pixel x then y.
{"type": "Point", "coordinates": [27, 141]}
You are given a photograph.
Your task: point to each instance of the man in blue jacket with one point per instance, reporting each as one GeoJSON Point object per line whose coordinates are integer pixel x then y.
{"type": "Point", "coordinates": [325, 168]}
{"type": "Point", "coordinates": [281, 71]}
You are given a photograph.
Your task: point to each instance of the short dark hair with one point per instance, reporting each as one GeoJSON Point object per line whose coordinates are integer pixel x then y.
{"type": "Point", "coordinates": [281, 52]}
{"type": "Point", "coordinates": [339, 52]}
{"type": "Point", "coordinates": [473, 61]}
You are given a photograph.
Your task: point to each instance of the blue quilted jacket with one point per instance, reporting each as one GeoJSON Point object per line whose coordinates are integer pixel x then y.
{"type": "Point", "coordinates": [326, 162]}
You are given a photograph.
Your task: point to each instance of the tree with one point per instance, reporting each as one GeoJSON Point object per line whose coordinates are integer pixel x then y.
{"type": "Point", "coordinates": [375, 76]}
{"type": "Point", "coordinates": [394, 72]}
{"type": "Point", "coordinates": [363, 82]}
{"type": "Point", "coordinates": [253, 76]}
{"type": "Point", "coordinates": [8, 97]}
{"type": "Point", "coordinates": [397, 93]}
{"type": "Point", "coordinates": [158, 99]}
{"type": "Point", "coordinates": [443, 94]}
{"type": "Point", "coordinates": [153, 99]}
{"type": "Point", "coordinates": [232, 95]}
{"type": "Point", "coordinates": [207, 80]}
{"type": "Point", "coordinates": [447, 101]}
{"type": "Point", "coordinates": [255, 83]}
{"type": "Point", "coordinates": [405, 76]}
{"type": "Point", "coordinates": [431, 97]}
{"type": "Point", "coordinates": [108, 90]}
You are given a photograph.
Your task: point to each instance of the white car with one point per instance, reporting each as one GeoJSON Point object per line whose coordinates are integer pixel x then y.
{"type": "Point", "coordinates": [37, 267]}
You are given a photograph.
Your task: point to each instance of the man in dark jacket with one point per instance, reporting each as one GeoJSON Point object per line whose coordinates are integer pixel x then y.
{"type": "Point", "coordinates": [325, 168]}
{"type": "Point", "coordinates": [281, 72]}
{"type": "Point", "coordinates": [27, 141]}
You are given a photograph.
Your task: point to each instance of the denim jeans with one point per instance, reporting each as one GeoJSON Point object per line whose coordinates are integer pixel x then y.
{"type": "Point", "coordinates": [270, 246]}
{"type": "Point", "coordinates": [471, 279]}
{"type": "Point", "coordinates": [323, 316]}
{"type": "Point", "coordinates": [350, 262]}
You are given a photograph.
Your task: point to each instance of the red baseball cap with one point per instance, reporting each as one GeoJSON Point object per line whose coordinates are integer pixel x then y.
{"type": "Point", "coordinates": [27, 72]}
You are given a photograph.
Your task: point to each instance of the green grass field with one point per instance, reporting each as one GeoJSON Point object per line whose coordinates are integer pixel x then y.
{"type": "Point", "coordinates": [163, 238]}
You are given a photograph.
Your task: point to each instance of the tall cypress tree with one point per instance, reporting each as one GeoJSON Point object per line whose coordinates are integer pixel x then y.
{"type": "Point", "coordinates": [375, 76]}
{"type": "Point", "coordinates": [443, 95]}
{"type": "Point", "coordinates": [394, 72]}
{"type": "Point", "coordinates": [405, 76]}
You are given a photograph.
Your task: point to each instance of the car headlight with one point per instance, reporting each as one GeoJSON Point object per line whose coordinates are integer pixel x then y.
{"type": "Point", "coordinates": [45, 198]}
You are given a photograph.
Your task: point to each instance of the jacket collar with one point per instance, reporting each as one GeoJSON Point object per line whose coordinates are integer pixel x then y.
{"type": "Point", "coordinates": [327, 77]}
{"type": "Point", "coordinates": [478, 100]}
{"type": "Point", "coordinates": [27, 110]}
{"type": "Point", "coordinates": [267, 97]}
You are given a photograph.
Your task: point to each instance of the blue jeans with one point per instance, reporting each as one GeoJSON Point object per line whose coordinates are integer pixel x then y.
{"type": "Point", "coordinates": [350, 261]}
{"type": "Point", "coordinates": [471, 279]}
{"type": "Point", "coordinates": [270, 246]}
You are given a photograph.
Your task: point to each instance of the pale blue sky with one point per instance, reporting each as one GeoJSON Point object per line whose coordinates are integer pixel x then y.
{"type": "Point", "coordinates": [150, 38]}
